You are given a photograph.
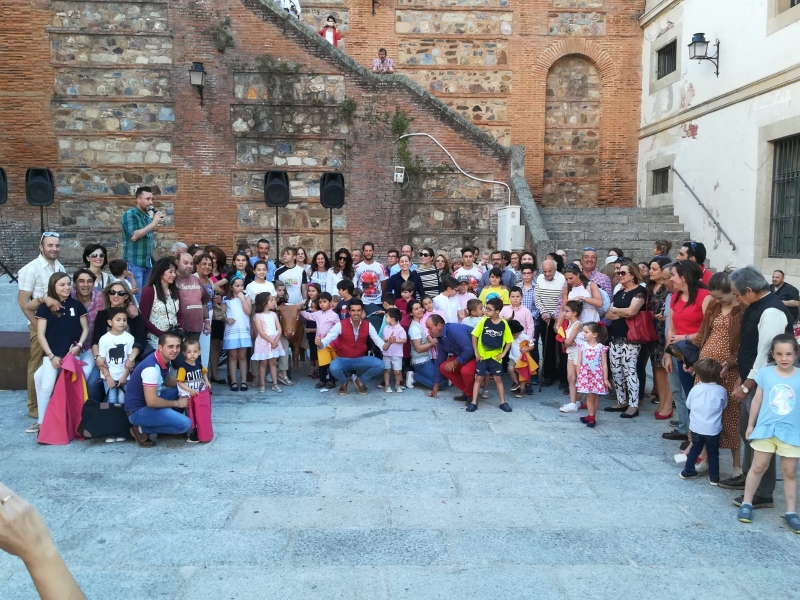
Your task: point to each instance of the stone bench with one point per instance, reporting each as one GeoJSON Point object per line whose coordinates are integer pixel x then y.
{"type": "Point", "coordinates": [15, 349]}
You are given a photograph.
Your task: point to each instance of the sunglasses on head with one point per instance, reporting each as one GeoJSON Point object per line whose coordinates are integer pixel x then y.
{"type": "Point", "coordinates": [117, 293]}
{"type": "Point", "coordinates": [589, 248]}
{"type": "Point", "coordinates": [49, 234]}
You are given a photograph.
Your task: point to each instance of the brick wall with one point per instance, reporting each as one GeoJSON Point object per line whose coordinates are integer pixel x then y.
{"type": "Point", "coordinates": [99, 92]}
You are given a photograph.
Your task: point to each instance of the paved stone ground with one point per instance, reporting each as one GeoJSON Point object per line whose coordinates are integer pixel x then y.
{"type": "Point", "coordinates": [310, 496]}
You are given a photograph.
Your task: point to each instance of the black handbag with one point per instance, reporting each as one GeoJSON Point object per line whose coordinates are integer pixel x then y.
{"type": "Point", "coordinates": [685, 351]}
{"type": "Point", "coordinates": [102, 420]}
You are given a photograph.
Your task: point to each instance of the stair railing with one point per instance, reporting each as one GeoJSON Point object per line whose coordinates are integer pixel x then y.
{"type": "Point", "coordinates": [703, 206]}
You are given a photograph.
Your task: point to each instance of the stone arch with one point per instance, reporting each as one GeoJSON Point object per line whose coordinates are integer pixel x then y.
{"type": "Point", "coordinates": [602, 59]}
{"type": "Point", "coordinates": [571, 169]}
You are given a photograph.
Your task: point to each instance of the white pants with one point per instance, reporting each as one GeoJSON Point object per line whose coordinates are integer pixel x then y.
{"type": "Point", "coordinates": [205, 349]}
{"type": "Point", "coordinates": [45, 381]}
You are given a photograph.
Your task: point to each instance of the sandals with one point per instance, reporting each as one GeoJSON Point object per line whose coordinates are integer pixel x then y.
{"type": "Point", "coordinates": [234, 387]}
{"type": "Point", "coordinates": [275, 388]}
{"type": "Point", "coordinates": [284, 380]}
{"type": "Point", "coordinates": [262, 389]}
{"type": "Point", "coordinates": [242, 387]}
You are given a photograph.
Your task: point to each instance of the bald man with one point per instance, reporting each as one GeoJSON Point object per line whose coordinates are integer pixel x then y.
{"type": "Point", "coordinates": [549, 285]}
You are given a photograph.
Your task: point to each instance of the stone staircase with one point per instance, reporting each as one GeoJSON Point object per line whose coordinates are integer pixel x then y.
{"type": "Point", "coordinates": [632, 229]}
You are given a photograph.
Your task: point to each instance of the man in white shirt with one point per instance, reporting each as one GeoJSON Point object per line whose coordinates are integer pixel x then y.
{"type": "Point", "coordinates": [469, 270]}
{"type": "Point", "coordinates": [446, 302]}
{"type": "Point", "coordinates": [293, 276]}
{"type": "Point", "coordinates": [546, 297]}
{"type": "Point", "coordinates": [33, 279]}
{"type": "Point", "coordinates": [405, 250]}
{"type": "Point", "coordinates": [370, 279]}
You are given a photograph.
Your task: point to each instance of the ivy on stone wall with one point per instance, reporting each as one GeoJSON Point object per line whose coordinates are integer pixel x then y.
{"type": "Point", "coordinates": [221, 34]}
{"type": "Point", "coordinates": [348, 108]}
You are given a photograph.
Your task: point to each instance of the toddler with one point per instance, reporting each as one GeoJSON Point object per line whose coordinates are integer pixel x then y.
{"type": "Point", "coordinates": [520, 344]}
{"type": "Point", "coordinates": [120, 274]}
{"type": "Point", "coordinates": [115, 347]}
{"type": "Point", "coordinates": [593, 372]}
{"type": "Point", "coordinates": [705, 402]}
{"type": "Point", "coordinates": [394, 338]}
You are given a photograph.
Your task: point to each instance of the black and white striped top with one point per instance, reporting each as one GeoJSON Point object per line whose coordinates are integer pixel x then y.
{"type": "Point", "coordinates": [548, 293]}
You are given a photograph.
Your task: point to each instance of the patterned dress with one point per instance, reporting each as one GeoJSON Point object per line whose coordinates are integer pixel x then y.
{"type": "Point", "coordinates": [590, 376]}
{"type": "Point", "coordinates": [656, 302]}
{"type": "Point", "coordinates": [717, 346]}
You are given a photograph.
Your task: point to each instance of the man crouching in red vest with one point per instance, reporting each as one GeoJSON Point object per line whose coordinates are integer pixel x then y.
{"type": "Point", "coordinates": [349, 339]}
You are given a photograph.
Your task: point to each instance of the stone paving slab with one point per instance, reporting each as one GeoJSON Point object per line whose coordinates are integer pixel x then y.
{"type": "Point", "coordinates": [314, 496]}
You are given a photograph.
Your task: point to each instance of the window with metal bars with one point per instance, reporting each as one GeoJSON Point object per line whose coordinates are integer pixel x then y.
{"type": "Point", "coordinates": [784, 237]}
{"type": "Point", "coordinates": [667, 60]}
{"type": "Point", "coordinates": [660, 181]}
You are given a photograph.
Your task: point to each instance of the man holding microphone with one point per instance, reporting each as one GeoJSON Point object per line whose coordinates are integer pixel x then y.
{"type": "Point", "coordinates": [138, 225]}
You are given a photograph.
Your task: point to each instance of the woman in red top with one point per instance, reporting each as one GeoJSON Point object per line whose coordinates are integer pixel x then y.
{"type": "Point", "coordinates": [688, 305]}
{"type": "Point", "coordinates": [330, 32]}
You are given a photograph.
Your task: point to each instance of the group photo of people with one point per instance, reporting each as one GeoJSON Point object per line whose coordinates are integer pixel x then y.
{"type": "Point", "coordinates": [151, 334]}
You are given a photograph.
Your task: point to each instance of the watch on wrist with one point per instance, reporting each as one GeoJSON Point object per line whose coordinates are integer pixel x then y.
{"type": "Point", "coordinates": [745, 389]}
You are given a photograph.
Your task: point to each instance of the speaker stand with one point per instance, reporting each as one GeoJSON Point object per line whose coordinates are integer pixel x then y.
{"type": "Point", "coordinates": [41, 218]}
{"type": "Point", "coordinates": [277, 237]}
{"type": "Point", "coordinates": [330, 222]}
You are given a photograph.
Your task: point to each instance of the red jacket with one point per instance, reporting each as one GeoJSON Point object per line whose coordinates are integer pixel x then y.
{"type": "Point", "coordinates": [63, 415]}
{"type": "Point", "coordinates": [336, 35]}
{"type": "Point", "coordinates": [346, 345]}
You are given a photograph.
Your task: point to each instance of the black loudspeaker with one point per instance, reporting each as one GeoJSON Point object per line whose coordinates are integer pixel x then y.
{"type": "Point", "coordinates": [3, 186]}
{"type": "Point", "coordinates": [331, 190]}
{"type": "Point", "coordinates": [39, 187]}
{"type": "Point", "coordinates": [276, 189]}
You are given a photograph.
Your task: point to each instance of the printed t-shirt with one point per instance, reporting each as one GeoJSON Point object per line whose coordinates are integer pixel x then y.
{"type": "Point", "coordinates": [64, 326]}
{"type": "Point", "coordinates": [294, 279]}
{"type": "Point", "coordinates": [368, 278]}
{"type": "Point", "coordinates": [492, 337]}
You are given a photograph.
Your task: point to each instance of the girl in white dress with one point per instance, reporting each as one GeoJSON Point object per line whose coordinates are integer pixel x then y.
{"type": "Point", "coordinates": [581, 289]}
{"type": "Point", "coordinates": [237, 330]}
{"type": "Point", "coordinates": [268, 340]}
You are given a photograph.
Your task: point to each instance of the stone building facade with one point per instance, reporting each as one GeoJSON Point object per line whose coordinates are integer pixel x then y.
{"type": "Point", "coordinates": [99, 92]}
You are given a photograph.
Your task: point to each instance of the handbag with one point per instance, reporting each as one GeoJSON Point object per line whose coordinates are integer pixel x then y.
{"type": "Point", "coordinates": [102, 420]}
{"type": "Point", "coordinates": [685, 351]}
{"type": "Point", "coordinates": [200, 415]}
{"type": "Point", "coordinates": [641, 329]}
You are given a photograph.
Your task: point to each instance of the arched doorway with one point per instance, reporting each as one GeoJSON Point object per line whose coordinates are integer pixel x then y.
{"type": "Point", "coordinates": [572, 133]}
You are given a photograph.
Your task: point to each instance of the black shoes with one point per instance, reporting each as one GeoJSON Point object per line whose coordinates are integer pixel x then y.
{"type": "Point", "coordinates": [758, 501]}
{"type": "Point", "coordinates": [472, 407]}
{"type": "Point", "coordinates": [547, 382]}
{"type": "Point", "coordinates": [629, 415]}
{"type": "Point", "coordinates": [616, 408]}
{"type": "Point", "coordinates": [462, 398]}
{"type": "Point", "coordinates": [504, 407]}
{"type": "Point", "coordinates": [675, 435]}
{"type": "Point", "coordinates": [734, 483]}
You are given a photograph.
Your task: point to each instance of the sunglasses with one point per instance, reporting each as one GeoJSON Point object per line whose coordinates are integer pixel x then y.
{"type": "Point", "coordinates": [589, 248]}
{"type": "Point", "coordinates": [49, 234]}
{"type": "Point", "coordinates": [117, 293]}
{"type": "Point", "coordinates": [341, 258]}
{"type": "Point", "coordinates": [621, 273]}
{"type": "Point", "coordinates": [97, 255]}
{"type": "Point", "coordinates": [424, 254]}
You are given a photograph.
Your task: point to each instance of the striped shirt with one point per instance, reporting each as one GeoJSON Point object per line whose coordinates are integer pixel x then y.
{"type": "Point", "coordinates": [95, 305]}
{"type": "Point", "coordinates": [548, 293]}
{"type": "Point", "coordinates": [431, 282]}
{"type": "Point", "coordinates": [35, 276]}
{"type": "Point", "coordinates": [140, 252]}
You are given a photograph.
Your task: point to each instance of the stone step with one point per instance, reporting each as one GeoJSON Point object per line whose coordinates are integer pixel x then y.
{"type": "Point", "coordinates": [649, 230]}
{"type": "Point", "coordinates": [556, 221]}
{"type": "Point", "coordinates": [662, 210]}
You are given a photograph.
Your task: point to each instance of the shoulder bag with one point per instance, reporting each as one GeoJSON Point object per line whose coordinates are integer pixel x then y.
{"type": "Point", "coordinates": [641, 329]}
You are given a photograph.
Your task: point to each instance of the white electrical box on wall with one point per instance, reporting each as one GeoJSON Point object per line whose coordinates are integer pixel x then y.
{"type": "Point", "coordinates": [510, 234]}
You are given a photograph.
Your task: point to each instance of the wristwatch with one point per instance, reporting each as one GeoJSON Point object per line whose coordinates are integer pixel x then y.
{"type": "Point", "coordinates": [745, 389]}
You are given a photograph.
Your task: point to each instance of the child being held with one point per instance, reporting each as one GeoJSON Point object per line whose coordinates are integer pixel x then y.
{"type": "Point", "coordinates": [395, 337]}
{"type": "Point", "coordinates": [115, 347]}
{"type": "Point", "coordinates": [120, 274]}
{"type": "Point", "coordinates": [520, 344]}
{"type": "Point", "coordinates": [705, 402]}
{"type": "Point", "coordinates": [474, 312]}
{"type": "Point", "coordinates": [192, 376]}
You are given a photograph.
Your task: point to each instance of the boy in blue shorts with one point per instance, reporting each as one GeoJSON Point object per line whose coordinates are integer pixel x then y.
{"type": "Point", "coordinates": [491, 341]}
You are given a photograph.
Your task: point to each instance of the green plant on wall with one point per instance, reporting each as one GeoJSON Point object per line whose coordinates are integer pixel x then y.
{"type": "Point", "coordinates": [268, 63]}
{"type": "Point", "coordinates": [348, 110]}
{"type": "Point", "coordinates": [400, 122]}
{"type": "Point", "coordinates": [221, 34]}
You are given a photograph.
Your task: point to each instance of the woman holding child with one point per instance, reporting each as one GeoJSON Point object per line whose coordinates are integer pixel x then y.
{"type": "Point", "coordinates": [421, 346]}
{"type": "Point", "coordinates": [116, 295]}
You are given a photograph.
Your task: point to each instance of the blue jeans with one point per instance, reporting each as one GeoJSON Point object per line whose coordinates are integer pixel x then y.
{"type": "Point", "coordinates": [711, 444]}
{"type": "Point", "coordinates": [115, 395]}
{"type": "Point", "coordinates": [162, 420]}
{"type": "Point", "coordinates": [365, 367]}
{"type": "Point", "coordinates": [676, 386]}
{"type": "Point", "coordinates": [141, 275]}
{"type": "Point", "coordinates": [424, 372]}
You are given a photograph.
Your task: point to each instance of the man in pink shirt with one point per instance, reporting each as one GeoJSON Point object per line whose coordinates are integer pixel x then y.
{"type": "Point", "coordinates": [325, 318]}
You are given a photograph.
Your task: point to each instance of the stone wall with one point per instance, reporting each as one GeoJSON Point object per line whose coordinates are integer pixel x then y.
{"type": "Point", "coordinates": [114, 110]}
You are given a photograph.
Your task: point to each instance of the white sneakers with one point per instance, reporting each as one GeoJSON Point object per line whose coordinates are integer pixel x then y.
{"type": "Point", "coordinates": [410, 380]}
{"type": "Point", "coordinates": [570, 407]}
{"type": "Point", "coordinates": [33, 428]}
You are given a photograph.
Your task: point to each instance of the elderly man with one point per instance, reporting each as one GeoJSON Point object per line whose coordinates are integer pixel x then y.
{"type": "Point", "coordinates": [32, 280]}
{"type": "Point", "coordinates": [455, 359]}
{"type": "Point", "coordinates": [177, 249]}
{"type": "Point", "coordinates": [786, 293]}
{"type": "Point", "coordinates": [546, 297]}
{"type": "Point", "coordinates": [764, 318]}
{"type": "Point", "coordinates": [151, 393]}
{"type": "Point", "coordinates": [193, 306]}
{"type": "Point", "coordinates": [262, 253]}
{"type": "Point", "coordinates": [509, 278]}
{"type": "Point", "coordinates": [138, 237]}
{"type": "Point", "coordinates": [349, 339]}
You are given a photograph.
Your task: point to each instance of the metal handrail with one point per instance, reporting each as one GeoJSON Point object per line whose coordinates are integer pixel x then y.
{"type": "Point", "coordinates": [703, 206]}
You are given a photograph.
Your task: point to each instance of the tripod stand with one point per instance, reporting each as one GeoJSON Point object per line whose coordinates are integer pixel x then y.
{"type": "Point", "coordinates": [6, 271]}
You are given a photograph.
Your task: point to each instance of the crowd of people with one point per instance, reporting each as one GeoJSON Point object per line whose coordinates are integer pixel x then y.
{"type": "Point", "coordinates": [151, 332]}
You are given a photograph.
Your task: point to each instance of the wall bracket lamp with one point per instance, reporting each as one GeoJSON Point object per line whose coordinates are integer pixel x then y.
{"type": "Point", "coordinates": [698, 50]}
{"type": "Point", "coordinates": [197, 77]}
